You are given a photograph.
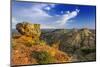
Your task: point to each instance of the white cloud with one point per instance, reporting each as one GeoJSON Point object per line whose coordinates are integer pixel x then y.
{"type": "Point", "coordinates": [67, 12]}
{"type": "Point", "coordinates": [14, 21]}
{"type": "Point", "coordinates": [35, 11]}
{"type": "Point", "coordinates": [47, 8]}
{"type": "Point", "coordinates": [52, 5]}
{"type": "Point", "coordinates": [43, 26]}
{"type": "Point", "coordinates": [66, 17]}
{"type": "Point", "coordinates": [36, 14]}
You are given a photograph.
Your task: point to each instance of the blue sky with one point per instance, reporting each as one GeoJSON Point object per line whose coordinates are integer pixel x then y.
{"type": "Point", "coordinates": [53, 16]}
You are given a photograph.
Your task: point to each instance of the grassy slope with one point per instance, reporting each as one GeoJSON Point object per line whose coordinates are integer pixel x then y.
{"type": "Point", "coordinates": [21, 52]}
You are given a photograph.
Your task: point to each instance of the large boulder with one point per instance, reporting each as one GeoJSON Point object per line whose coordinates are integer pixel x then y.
{"type": "Point", "coordinates": [29, 29]}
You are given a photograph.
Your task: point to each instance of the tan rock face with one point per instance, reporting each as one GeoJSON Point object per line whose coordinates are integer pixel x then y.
{"type": "Point", "coordinates": [29, 29]}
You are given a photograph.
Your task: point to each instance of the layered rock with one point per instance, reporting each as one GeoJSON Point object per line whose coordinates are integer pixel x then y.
{"type": "Point", "coordinates": [28, 29]}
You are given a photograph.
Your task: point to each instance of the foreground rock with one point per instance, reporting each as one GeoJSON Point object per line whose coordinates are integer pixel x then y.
{"type": "Point", "coordinates": [28, 29]}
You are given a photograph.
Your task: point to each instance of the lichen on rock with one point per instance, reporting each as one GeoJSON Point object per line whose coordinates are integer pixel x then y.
{"type": "Point", "coordinates": [29, 29]}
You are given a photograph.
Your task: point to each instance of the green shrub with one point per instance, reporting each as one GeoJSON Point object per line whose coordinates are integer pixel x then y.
{"type": "Point", "coordinates": [88, 50]}
{"type": "Point", "coordinates": [34, 42]}
{"type": "Point", "coordinates": [13, 46]}
{"type": "Point", "coordinates": [31, 43]}
{"type": "Point", "coordinates": [42, 42]}
{"type": "Point", "coordinates": [43, 57]}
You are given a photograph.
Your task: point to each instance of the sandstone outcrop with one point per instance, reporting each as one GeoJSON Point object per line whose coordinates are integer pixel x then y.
{"type": "Point", "coordinates": [28, 29]}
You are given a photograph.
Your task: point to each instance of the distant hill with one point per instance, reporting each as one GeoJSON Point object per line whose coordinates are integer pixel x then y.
{"type": "Point", "coordinates": [72, 41]}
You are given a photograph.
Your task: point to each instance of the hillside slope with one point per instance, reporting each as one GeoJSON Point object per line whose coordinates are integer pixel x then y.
{"type": "Point", "coordinates": [30, 49]}
{"type": "Point", "coordinates": [79, 43]}
{"type": "Point", "coordinates": [23, 47]}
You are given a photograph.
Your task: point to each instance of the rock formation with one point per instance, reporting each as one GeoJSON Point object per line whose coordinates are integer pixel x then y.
{"type": "Point", "coordinates": [29, 29]}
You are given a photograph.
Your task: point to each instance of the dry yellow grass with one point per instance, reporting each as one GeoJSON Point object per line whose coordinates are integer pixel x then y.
{"type": "Point", "coordinates": [21, 53]}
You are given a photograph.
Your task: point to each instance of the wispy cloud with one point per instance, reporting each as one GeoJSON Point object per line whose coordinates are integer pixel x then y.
{"type": "Point", "coordinates": [14, 22]}
{"type": "Point", "coordinates": [66, 17]}
{"type": "Point", "coordinates": [36, 14]}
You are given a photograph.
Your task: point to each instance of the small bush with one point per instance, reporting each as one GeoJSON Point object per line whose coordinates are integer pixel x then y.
{"type": "Point", "coordinates": [42, 42]}
{"type": "Point", "coordinates": [88, 50]}
{"type": "Point", "coordinates": [13, 46]}
{"type": "Point", "coordinates": [43, 57]}
{"type": "Point", "coordinates": [30, 43]}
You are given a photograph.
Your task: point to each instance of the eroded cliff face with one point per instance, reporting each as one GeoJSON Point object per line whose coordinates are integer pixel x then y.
{"type": "Point", "coordinates": [80, 43]}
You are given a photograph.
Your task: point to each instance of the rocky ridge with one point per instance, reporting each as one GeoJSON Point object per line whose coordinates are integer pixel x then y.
{"type": "Point", "coordinates": [28, 48]}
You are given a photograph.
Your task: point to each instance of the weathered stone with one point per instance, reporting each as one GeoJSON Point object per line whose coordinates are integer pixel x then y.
{"type": "Point", "coordinates": [29, 29]}
{"type": "Point", "coordinates": [85, 32]}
